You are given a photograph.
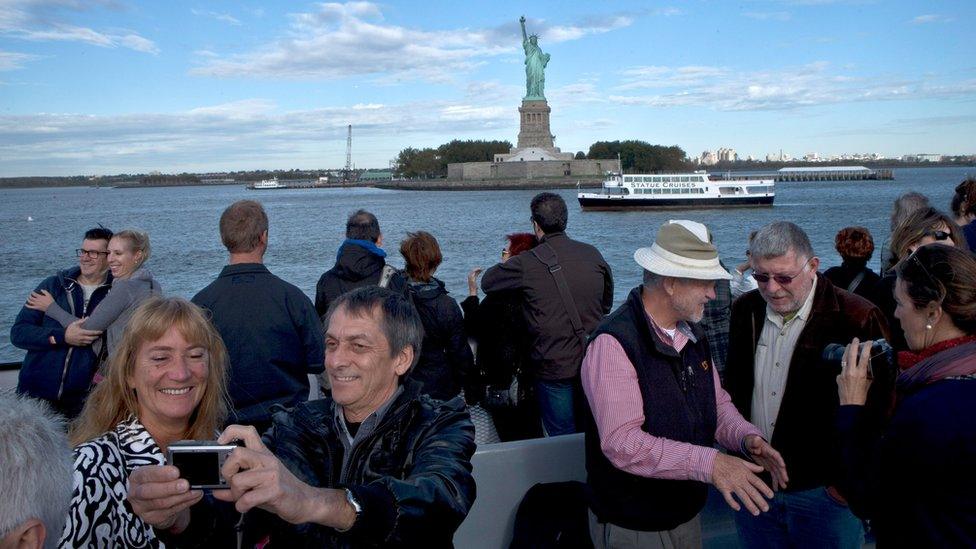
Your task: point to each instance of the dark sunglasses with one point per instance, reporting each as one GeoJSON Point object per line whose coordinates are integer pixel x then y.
{"type": "Point", "coordinates": [782, 280]}
{"type": "Point", "coordinates": [939, 235]}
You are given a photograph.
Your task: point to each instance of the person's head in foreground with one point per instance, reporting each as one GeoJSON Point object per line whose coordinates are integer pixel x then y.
{"type": "Point", "coordinates": [372, 339]}
{"type": "Point", "coordinates": [35, 474]}
{"type": "Point", "coordinates": [936, 295]}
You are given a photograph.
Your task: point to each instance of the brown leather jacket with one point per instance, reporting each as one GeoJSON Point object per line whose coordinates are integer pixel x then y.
{"type": "Point", "coordinates": [556, 352]}
{"type": "Point", "coordinates": [805, 433]}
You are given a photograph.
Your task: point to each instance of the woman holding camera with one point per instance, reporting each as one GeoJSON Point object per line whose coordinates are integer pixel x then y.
{"type": "Point", "coordinates": [913, 476]}
{"type": "Point", "coordinates": [166, 382]}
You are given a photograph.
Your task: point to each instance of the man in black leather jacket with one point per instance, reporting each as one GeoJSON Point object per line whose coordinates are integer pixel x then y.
{"type": "Point", "coordinates": [377, 464]}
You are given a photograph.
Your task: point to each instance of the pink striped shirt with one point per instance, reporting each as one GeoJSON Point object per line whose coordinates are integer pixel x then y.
{"type": "Point", "coordinates": [610, 384]}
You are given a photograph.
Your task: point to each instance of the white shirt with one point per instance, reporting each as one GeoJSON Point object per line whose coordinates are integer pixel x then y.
{"type": "Point", "coordinates": [774, 351]}
{"type": "Point", "coordinates": [88, 290]}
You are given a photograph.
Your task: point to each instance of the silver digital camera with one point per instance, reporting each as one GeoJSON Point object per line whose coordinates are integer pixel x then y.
{"type": "Point", "coordinates": [199, 462]}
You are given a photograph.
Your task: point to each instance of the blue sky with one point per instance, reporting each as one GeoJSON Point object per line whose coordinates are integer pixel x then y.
{"type": "Point", "coordinates": [118, 86]}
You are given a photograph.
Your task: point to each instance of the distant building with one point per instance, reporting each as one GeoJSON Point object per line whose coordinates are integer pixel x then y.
{"type": "Point", "coordinates": [727, 155]}
{"type": "Point", "coordinates": [376, 175]}
{"type": "Point", "coordinates": [708, 158]}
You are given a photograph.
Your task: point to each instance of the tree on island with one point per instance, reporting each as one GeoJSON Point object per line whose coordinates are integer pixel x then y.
{"type": "Point", "coordinates": [411, 162]}
{"type": "Point", "coordinates": [641, 156]}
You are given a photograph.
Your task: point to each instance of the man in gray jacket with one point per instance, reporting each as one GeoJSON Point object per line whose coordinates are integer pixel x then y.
{"type": "Point", "coordinates": [558, 320]}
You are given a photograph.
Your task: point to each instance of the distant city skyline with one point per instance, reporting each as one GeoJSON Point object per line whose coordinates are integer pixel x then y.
{"type": "Point", "coordinates": [121, 86]}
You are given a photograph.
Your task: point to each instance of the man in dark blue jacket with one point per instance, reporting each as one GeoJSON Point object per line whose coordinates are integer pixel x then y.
{"type": "Point", "coordinates": [272, 333]}
{"type": "Point", "coordinates": [60, 364]}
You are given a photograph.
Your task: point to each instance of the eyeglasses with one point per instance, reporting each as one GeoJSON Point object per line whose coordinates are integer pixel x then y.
{"type": "Point", "coordinates": [939, 236]}
{"type": "Point", "coordinates": [90, 253]}
{"type": "Point", "coordinates": [782, 280]}
{"type": "Point", "coordinates": [506, 252]}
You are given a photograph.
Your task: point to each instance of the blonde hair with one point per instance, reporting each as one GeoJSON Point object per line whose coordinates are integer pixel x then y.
{"type": "Point", "coordinates": [138, 242]}
{"type": "Point", "coordinates": [112, 400]}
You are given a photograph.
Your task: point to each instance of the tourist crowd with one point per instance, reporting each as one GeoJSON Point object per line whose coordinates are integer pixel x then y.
{"type": "Point", "coordinates": [844, 399]}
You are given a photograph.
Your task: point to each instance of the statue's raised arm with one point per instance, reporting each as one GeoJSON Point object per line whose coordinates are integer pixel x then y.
{"type": "Point", "coordinates": [535, 65]}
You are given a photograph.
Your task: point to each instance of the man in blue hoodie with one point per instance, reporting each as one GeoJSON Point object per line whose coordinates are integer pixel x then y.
{"type": "Point", "coordinates": [360, 261]}
{"type": "Point", "coordinates": [60, 363]}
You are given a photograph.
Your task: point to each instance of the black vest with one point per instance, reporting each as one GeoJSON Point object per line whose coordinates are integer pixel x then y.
{"type": "Point", "coordinates": [678, 392]}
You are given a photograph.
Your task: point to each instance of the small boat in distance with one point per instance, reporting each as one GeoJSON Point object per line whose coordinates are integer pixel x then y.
{"type": "Point", "coordinates": [677, 190]}
{"type": "Point", "coordinates": [265, 184]}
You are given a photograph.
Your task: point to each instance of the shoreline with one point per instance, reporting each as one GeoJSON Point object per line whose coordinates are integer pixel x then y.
{"type": "Point", "coordinates": [440, 184]}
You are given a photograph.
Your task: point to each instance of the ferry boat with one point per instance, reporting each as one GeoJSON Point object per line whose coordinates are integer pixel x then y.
{"type": "Point", "coordinates": [265, 184]}
{"type": "Point", "coordinates": [679, 190]}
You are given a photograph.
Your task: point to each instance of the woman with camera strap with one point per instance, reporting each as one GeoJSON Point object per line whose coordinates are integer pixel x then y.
{"type": "Point", "coordinates": [913, 476]}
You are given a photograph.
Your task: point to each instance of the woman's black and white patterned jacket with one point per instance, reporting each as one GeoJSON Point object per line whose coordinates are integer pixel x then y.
{"type": "Point", "coordinates": [99, 515]}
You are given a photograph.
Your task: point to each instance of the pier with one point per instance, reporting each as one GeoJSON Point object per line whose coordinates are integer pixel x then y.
{"type": "Point", "coordinates": [827, 173]}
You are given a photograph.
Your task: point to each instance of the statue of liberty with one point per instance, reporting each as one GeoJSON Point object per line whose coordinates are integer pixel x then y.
{"type": "Point", "coordinates": [535, 65]}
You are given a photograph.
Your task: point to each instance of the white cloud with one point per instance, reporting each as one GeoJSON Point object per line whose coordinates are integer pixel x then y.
{"type": "Point", "coordinates": [10, 61]}
{"type": "Point", "coordinates": [930, 18]}
{"type": "Point", "coordinates": [669, 11]}
{"type": "Point", "coordinates": [138, 43]}
{"type": "Point", "coordinates": [558, 34]}
{"type": "Point", "coordinates": [339, 40]}
{"type": "Point", "coordinates": [243, 134]}
{"type": "Point", "coordinates": [725, 89]}
{"type": "Point", "coordinates": [47, 20]}
{"type": "Point", "coordinates": [222, 17]}
{"type": "Point", "coordinates": [236, 110]}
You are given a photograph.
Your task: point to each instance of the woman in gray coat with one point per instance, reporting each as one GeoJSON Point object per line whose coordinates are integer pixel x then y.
{"type": "Point", "coordinates": [131, 284]}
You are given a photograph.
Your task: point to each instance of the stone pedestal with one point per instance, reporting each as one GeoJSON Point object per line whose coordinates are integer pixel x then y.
{"type": "Point", "coordinates": [534, 125]}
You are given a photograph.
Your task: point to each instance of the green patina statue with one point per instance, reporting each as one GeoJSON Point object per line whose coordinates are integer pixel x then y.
{"type": "Point", "coordinates": [535, 66]}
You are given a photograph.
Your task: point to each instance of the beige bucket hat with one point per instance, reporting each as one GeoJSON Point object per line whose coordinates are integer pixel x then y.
{"type": "Point", "coordinates": [682, 249]}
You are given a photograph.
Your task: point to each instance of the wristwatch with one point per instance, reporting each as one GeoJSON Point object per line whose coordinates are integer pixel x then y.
{"type": "Point", "coordinates": [355, 504]}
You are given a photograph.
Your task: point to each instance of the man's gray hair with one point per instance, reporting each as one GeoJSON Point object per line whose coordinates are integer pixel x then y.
{"type": "Point", "coordinates": [904, 206]}
{"type": "Point", "coordinates": [36, 467]}
{"type": "Point", "coordinates": [399, 320]}
{"type": "Point", "coordinates": [778, 238]}
{"type": "Point", "coordinates": [652, 279]}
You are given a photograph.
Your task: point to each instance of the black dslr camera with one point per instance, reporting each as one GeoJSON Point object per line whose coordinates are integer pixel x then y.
{"type": "Point", "coordinates": [882, 356]}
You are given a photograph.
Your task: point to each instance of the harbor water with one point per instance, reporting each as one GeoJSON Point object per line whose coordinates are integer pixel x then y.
{"type": "Point", "coordinates": [41, 228]}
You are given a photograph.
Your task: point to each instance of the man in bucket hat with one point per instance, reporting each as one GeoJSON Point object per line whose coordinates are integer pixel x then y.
{"type": "Point", "coordinates": [658, 408]}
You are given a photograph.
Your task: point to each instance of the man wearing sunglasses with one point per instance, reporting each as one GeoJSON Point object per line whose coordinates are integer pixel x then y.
{"type": "Point", "coordinates": [60, 363]}
{"type": "Point", "coordinates": [778, 382]}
